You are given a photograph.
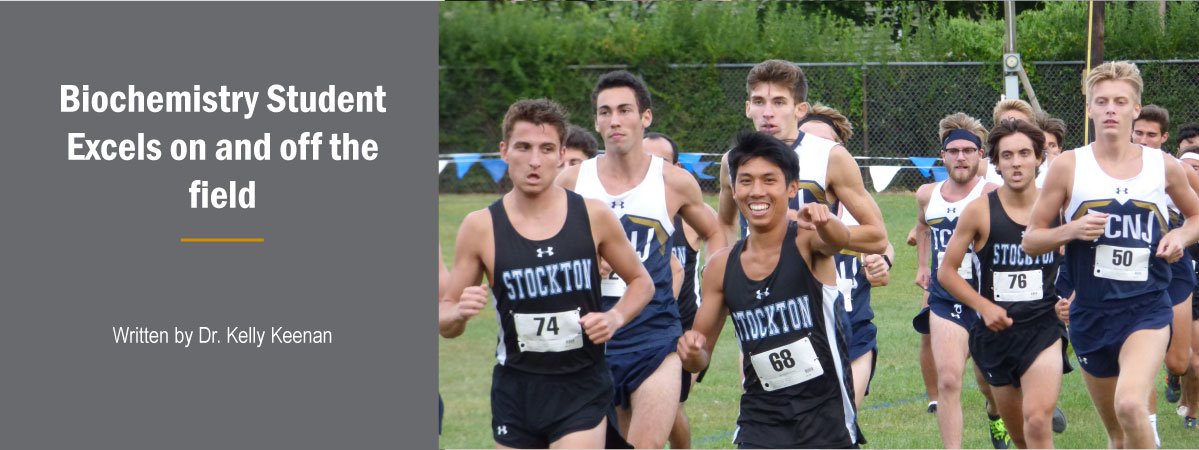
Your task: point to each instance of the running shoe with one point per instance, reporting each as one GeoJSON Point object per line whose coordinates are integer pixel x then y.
{"type": "Point", "coordinates": [999, 436]}
{"type": "Point", "coordinates": [1059, 420]}
{"type": "Point", "coordinates": [1173, 389]}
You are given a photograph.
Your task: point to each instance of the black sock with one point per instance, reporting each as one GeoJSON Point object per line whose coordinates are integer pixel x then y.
{"type": "Point", "coordinates": [992, 417]}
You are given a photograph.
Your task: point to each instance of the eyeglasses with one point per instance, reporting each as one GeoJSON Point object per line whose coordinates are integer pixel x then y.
{"type": "Point", "coordinates": [953, 152]}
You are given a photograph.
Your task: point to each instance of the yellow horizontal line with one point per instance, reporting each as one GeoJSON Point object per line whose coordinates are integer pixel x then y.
{"type": "Point", "coordinates": [220, 240]}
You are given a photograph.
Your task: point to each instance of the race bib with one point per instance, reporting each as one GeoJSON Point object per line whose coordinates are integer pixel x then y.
{"type": "Point", "coordinates": [1122, 263]}
{"type": "Point", "coordinates": [966, 270]}
{"type": "Point", "coordinates": [549, 332]}
{"type": "Point", "coordinates": [845, 286]}
{"type": "Point", "coordinates": [613, 286]}
{"type": "Point", "coordinates": [787, 366]}
{"type": "Point", "coordinates": [1020, 286]}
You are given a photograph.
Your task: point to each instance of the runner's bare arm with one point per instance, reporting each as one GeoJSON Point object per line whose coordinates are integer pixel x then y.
{"type": "Point", "coordinates": [1178, 186]}
{"type": "Point", "coordinates": [878, 270]}
{"type": "Point", "coordinates": [568, 177]}
{"type": "Point", "coordinates": [845, 178]}
{"type": "Point", "coordinates": [693, 209]}
{"type": "Point", "coordinates": [693, 236]}
{"type": "Point", "coordinates": [464, 297]}
{"type": "Point", "coordinates": [443, 274]}
{"type": "Point", "coordinates": [727, 208]}
{"type": "Point", "coordinates": [696, 345]}
{"type": "Point", "coordinates": [923, 244]}
{"type": "Point", "coordinates": [1040, 238]}
{"type": "Point", "coordinates": [831, 234]}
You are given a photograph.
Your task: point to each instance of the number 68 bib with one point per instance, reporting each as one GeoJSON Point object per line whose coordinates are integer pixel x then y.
{"type": "Point", "coordinates": [548, 332]}
{"type": "Point", "coordinates": [787, 366]}
{"type": "Point", "coordinates": [1122, 263]}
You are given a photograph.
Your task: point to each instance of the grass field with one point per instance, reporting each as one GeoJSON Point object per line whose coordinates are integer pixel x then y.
{"type": "Point", "coordinates": [892, 416]}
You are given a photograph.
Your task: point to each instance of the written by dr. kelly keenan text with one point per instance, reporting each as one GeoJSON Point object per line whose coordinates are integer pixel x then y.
{"type": "Point", "coordinates": [251, 335]}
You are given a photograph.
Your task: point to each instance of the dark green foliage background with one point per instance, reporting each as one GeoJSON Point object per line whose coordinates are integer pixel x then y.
{"type": "Point", "coordinates": [694, 57]}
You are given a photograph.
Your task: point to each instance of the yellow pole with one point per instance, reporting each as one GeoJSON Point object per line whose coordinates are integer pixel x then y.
{"type": "Point", "coordinates": [1086, 123]}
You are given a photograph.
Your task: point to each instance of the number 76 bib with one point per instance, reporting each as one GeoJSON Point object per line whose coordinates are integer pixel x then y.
{"type": "Point", "coordinates": [1019, 286]}
{"type": "Point", "coordinates": [787, 366]}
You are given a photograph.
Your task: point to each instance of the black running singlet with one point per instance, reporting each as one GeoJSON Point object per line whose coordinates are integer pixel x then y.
{"type": "Point", "coordinates": [689, 292]}
{"type": "Point", "coordinates": [542, 289]}
{"type": "Point", "coordinates": [1023, 285]}
{"type": "Point", "coordinates": [798, 388]}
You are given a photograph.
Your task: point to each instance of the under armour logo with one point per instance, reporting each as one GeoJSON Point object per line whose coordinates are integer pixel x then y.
{"type": "Point", "coordinates": [621, 203]}
{"type": "Point", "coordinates": [1125, 190]}
{"type": "Point", "coordinates": [953, 210]}
{"type": "Point", "coordinates": [549, 251]}
{"type": "Point", "coordinates": [763, 294]}
{"type": "Point", "coordinates": [501, 430]}
{"type": "Point", "coordinates": [957, 312]}
{"type": "Point", "coordinates": [1083, 359]}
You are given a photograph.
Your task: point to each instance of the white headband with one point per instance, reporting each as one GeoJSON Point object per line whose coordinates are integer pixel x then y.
{"type": "Point", "coordinates": [1189, 155]}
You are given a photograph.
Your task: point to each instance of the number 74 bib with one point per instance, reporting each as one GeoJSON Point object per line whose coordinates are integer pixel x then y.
{"type": "Point", "coordinates": [787, 366]}
{"type": "Point", "coordinates": [548, 332]}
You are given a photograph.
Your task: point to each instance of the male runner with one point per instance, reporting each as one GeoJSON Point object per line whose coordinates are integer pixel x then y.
{"type": "Point", "coordinates": [1188, 136]}
{"type": "Point", "coordinates": [1152, 129]}
{"type": "Point", "coordinates": [1018, 345]}
{"type": "Point", "coordinates": [1114, 195]}
{"type": "Point", "coordinates": [950, 321]}
{"type": "Point", "coordinates": [685, 245]}
{"type": "Point", "coordinates": [828, 173]}
{"type": "Point", "coordinates": [778, 284]}
{"type": "Point", "coordinates": [1055, 135]}
{"type": "Point", "coordinates": [646, 194]}
{"type": "Point", "coordinates": [855, 275]}
{"type": "Point", "coordinates": [1009, 109]}
{"type": "Point", "coordinates": [1187, 405]}
{"type": "Point", "coordinates": [538, 246]}
{"type": "Point", "coordinates": [928, 368]}
{"type": "Point", "coordinates": [580, 146]}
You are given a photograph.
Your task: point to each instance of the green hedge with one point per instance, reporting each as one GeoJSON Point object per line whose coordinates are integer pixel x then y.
{"type": "Point", "coordinates": [493, 53]}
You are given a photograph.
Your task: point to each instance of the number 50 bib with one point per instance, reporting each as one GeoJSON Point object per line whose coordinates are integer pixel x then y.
{"type": "Point", "coordinates": [1122, 263]}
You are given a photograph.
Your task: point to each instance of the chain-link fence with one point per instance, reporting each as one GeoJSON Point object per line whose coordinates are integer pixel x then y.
{"type": "Point", "coordinates": [894, 108]}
